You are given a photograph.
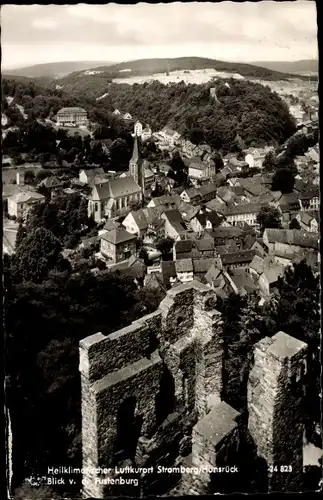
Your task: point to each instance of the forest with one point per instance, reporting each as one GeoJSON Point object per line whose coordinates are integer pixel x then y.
{"type": "Point", "coordinates": [249, 109]}
{"type": "Point", "coordinates": [246, 108]}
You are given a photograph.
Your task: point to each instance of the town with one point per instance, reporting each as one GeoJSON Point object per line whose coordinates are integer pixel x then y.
{"type": "Point", "coordinates": [162, 281]}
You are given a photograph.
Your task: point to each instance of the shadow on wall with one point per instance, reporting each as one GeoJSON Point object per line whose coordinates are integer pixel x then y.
{"type": "Point", "coordinates": [128, 430]}
{"type": "Point", "coordinates": [237, 363]}
{"type": "Point", "coordinates": [248, 473]}
{"type": "Point", "coordinates": [165, 399]}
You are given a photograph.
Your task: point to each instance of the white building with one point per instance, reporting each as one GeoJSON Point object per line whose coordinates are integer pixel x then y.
{"type": "Point", "coordinates": [20, 204]}
{"type": "Point", "coordinates": [72, 117]}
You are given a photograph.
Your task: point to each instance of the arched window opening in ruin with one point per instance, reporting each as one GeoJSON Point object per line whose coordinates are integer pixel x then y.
{"type": "Point", "coordinates": [128, 429]}
{"type": "Point", "coordinates": [165, 399]}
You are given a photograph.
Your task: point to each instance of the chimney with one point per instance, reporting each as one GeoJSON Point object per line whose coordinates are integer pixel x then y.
{"type": "Point", "coordinates": [20, 178]}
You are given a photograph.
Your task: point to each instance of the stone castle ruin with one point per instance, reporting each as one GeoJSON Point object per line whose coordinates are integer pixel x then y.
{"type": "Point", "coordinates": [151, 406]}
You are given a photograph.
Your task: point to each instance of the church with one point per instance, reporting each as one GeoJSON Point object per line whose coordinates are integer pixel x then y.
{"type": "Point", "coordinates": [138, 168]}
{"type": "Point", "coordinates": [114, 198]}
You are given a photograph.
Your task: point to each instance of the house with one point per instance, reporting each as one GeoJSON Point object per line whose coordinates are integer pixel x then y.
{"type": "Point", "coordinates": [188, 211]}
{"type": "Point", "coordinates": [201, 171]}
{"type": "Point", "coordinates": [313, 154]}
{"type": "Point", "coordinates": [268, 279]}
{"type": "Point", "coordinates": [136, 223]}
{"type": "Point", "coordinates": [310, 199]}
{"type": "Point", "coordinates": [202, 265]}
{"type": "Point", "coordinates": [287, 244]}
{"type": "Point", "coordinates": [223, 235]}
{"type": "Point", "coordinates": [87, 242]}
{"type": "Point", "coordinates": [208, 191]}
{"type": "Point", "coordinates": [241, 259]}
{"type": "Point", "coordinates": [140, 221]}
{"type": "Point", "coordinates": [154, 281]}
{"type": "Point", "coordinates": [168, 201]}
{"type": "Point", "coordinates": [127, 116]}
{"type": "Point", "coordinates": [289, 204]}
{"type": "Point", "coordinates": [19, 204]}
{"type": "Point", "coordinates": [184, 270]}
{"type": "Point", "coordinates": [113, 198]}
{"type": "Point", "coordinates": [253, 187]}
{"type": "Point", "coordinates": [106, 145]}
{"type": "Point", "coordinates": [175, 226]}
{"type": "Point", "coordinates": [146, 133]}
{"type": "Point", "coordinates": [194, 249]}
{"type": "Point", "coordinates": [110, 224]}
{"type": "Point", "coordinates": [256, 266]}
{"type": "Point", "coordinates": [205, 220]}
{"type": "Point", "coordinates": [225, 195]}
{"type": "Point", "coordinates": [216, 206]}
{"type": "Point", "coordinates": [236, 165]}
{"type": "Point", "coordinates": [214, 277]}
{"type": "Point", "coordinates": [239, 281]}
{"type": "Point", "coordinates": [245, 212]}
{"type": "Point", "coordinates": [87, 176]}
{"type": "Point", "coordinates": [168, 272]}
{"type": "Point", "coordinates": [191, 195]}
{"type": "Point", "coordinates": [255, 157]}
{"type": "Point", "coordinates": [118, 245]}
{"type": "Point", "coordinates": [308, 222]}
{"type": "Point", "coordinates": [72, 116]}
{"type": "Point", "coordinates": [149, 175]}
{"type": "Point", "coordinates": [116, 112]}
{"type": "Point", "coordinates": [52, 184]}
{"type": "Point", "coordinates": [169, 136]}
{"type": "Point", "coordinates": [187, 148]}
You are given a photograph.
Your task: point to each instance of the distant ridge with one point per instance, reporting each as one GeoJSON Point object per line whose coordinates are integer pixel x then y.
{"type": "Point", "coordinates": [146, 67]}
{"type": "Point", "coordinates": [53, 70]}
{"type": "Point", "coordinates": [303, 66]}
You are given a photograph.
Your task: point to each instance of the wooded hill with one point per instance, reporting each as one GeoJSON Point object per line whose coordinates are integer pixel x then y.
{"type": "Point", "coordinates": [241, 107]}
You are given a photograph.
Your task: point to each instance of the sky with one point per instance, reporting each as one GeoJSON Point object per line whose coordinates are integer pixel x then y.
{"type": "Point", "coordinates": [238, 32]}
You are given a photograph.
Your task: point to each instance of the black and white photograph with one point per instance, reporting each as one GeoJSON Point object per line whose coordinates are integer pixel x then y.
{"type": "Point", "coordinates": [160, 240]}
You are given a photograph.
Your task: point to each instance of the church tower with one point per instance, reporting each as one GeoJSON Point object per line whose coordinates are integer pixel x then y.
{"type": "Point", "coordinates": [136, 167]}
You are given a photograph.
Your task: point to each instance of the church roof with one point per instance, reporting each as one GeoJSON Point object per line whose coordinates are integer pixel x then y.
{"type": "Point", "coordinates": [114, 189]}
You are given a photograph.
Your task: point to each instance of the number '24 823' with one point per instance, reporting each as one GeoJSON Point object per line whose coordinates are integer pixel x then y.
{"type": "Point", "coordinates": [280, 468]}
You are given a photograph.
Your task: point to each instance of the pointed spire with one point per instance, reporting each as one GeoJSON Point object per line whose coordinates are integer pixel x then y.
{"type": "Point", "coordinates": [135, 153]}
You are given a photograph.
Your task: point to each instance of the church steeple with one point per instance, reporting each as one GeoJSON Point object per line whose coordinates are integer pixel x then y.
{"type": "Point", "coordinates": [136, 168]}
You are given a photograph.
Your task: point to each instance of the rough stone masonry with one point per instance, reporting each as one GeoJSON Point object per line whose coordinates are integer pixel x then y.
{"type": "Point", "coordinates": [151, 396]}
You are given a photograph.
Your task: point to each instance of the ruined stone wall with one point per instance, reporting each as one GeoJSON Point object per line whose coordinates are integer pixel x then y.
{"type": "Point", "coordinates": [176, 354]}
{"type": "Point", "coordinates": [185, 335]}
{"type": "Point", "coordinates": [275, 396]}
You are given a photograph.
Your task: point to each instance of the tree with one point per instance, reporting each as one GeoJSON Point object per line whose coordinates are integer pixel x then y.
{"type": "Point", "coordinates": [196, 136]}
{"type": "Point", "coordinates": [164, 246]}
{"type": "Point", "coordinates": [143, 254]}
{"type": "Point", "coordinates": [296, 311]}
{"type": "Point", "coordinates": [36, 255]}
{"type": "Point", "coordinates": [83, 211]}
{"type": "Point", "coordinates": [268, 217]}
{"type": "Point", "coordinates": [21, 234]}
{"type": "Point", "coordinates": [294, 224]}
{"type": "Point", "coordinates": [120, 154]}
{"type": "Point", "coordinates": [29, 492]}
{"type": "Point", "coordinates": [270, 161]}
{"type": "Point", "coordinates": [283, 180]}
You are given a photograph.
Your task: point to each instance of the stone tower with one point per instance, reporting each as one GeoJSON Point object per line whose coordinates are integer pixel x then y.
{"type": "Point", "coordinates": [275, 398]}
{"type": "Point", "coordinates": [136, 167]}
{"type": "Point", "coordinates": [146, 380]}
{"type": "Point", "coordinates": [138, 129]}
